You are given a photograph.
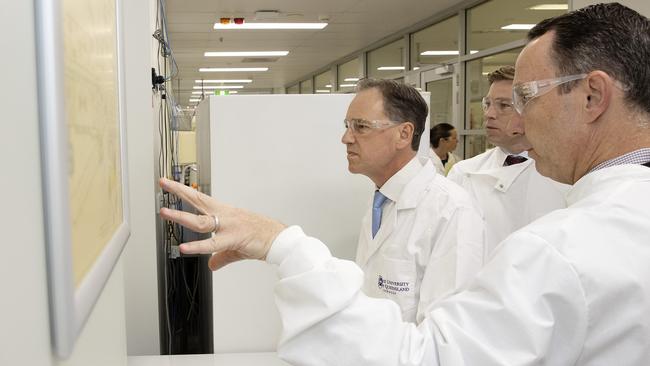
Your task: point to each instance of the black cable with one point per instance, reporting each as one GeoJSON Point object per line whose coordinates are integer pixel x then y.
{"type": "Point", "coordinates": [196, 286]}
{"type": "Point", "coordinates": [173, 234]}
{"type": "Point", "coordinates": [161, 161]}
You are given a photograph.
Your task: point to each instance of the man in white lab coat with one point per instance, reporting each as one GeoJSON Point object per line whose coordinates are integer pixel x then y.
{"type": "Point", "coordinates": [422, 237]}
{"type": "Point", "coordinates": [577, 292]}
{"type": "Point", "coordinates": [503, 180]}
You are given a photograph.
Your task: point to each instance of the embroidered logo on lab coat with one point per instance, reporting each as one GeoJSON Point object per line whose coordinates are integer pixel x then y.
{"type": "Point", "coordinates": [393, 287]}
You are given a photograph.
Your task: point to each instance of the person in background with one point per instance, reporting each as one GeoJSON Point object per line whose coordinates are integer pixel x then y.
{"type": "Point", "coordinates": [422, 237]}
{"type": "Point", "coordinates": [503, 180]}
{"type": "Point", "coordinates": [571, 288]}
{"type": "Point", "coordinates": [444, 139]}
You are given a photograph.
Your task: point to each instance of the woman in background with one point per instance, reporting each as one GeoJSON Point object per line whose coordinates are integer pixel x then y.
{"type": "Point", "coordinates": [444, 139]}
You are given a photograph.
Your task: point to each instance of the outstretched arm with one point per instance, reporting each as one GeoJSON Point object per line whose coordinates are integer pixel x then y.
{"type": "Point", "coordinates": [241, 234]}
{"type": "Point", "coordinates": [526, 307]}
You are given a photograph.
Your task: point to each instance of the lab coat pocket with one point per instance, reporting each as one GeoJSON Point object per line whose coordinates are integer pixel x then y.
{"type": "Point", "coordinates": [396, 279]}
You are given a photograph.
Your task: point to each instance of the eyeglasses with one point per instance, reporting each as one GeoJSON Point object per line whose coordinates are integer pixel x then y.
{"type": "Point", "coordinates": [359, 126]}
{"type": "Point", "coordinates": [525, 92]}
{"type": "Point", "coordinates": [502, 106]}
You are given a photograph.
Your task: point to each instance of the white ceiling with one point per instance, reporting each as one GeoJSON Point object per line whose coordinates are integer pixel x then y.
{"type": "Point", "coordinates": [353, 24]}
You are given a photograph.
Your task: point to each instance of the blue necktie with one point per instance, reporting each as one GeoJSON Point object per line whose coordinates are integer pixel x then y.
{"type": "Point", "coordinates": [377, 202]}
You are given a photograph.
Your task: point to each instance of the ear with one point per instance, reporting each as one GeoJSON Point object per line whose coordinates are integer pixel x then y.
{"type": "Point", "coordinates": [598, 94]}
{"type": "Point", "coordinates": [406, 131]}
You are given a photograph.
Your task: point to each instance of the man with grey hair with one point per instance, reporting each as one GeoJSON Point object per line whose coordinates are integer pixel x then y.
{"type": "Point", "coordinates": [503, 181]}
{"type": "Point", "coordinates": [571, 288]}
{"type": "Point", "coordinates": [422, 238]}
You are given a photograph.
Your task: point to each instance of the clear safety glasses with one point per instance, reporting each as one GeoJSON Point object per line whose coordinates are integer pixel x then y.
{"type": "Point", "coordinates": [525, 92]}
{"type": "Point", "coordinates": [502, 106]}
{"type": "Point", "coordinates": [359, 126]}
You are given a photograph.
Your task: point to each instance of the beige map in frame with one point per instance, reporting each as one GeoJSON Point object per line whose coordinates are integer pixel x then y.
{"type": "Point", "coordinates": [91, 106]}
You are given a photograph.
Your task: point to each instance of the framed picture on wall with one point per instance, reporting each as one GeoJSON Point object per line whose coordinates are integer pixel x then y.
{"type": "Point", "coordinates": [83, 155]}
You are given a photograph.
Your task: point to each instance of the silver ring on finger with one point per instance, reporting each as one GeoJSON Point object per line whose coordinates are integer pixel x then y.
{"type": "Point", "coordinates": [216, 223]}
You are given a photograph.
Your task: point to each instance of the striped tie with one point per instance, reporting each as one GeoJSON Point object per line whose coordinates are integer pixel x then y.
{"type": "Point", "coordinates": [514, 159]}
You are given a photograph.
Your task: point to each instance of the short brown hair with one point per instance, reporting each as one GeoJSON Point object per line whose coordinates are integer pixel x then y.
{"type": "Point", "coordinates": [401, 103]}
{"type": "Point", "coordinates": [608, 37]}
{"type": "Point", "coordinates": [502, 73]}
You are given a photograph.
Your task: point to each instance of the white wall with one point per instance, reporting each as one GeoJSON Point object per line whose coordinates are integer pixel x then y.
{"type": "Point", "coordinates": [24, 330]}
{"type": "Point", "coordinates": [24, 313]}
{"type": "Point", "coordinates": [642, 6]}
{"type": "Point", "coordinates": [140, 273]}
{"type": "Point", "coordinates": [102, 341]}
{"type": "Point", "coordinates": [283, 158]}
{"type": "Point", "coordinates": [25, 338]}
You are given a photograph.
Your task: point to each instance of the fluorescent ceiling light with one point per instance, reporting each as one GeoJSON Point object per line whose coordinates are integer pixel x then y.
{"type": "Point", "coordinates": [416, 68]}
{"type": "Point", "coordinates": [351, 79]}
{"type": "Point", "coordinates": [233, 92]}
{"type": "Point", "coordinates": [443, 53]}
{"type": "Point", "coordinates": [439, 53]}
{"type": "Point", "coordinates": [197, 92]}
{"type": "Point", "coordinates": [246, 54]}
{"type": "Point", "coordinates": [518, 26]}
{"type": "Point", "coordinates": [224, 81]}
{"type": "Point", "coordinates": [347, 85]}
{"type": "Point", "coordinates": [550, 7]}
{"type": "Point", "coordinates": [271, 26]}
{"type": "Point", "coordinates": [322, 91]}
{"type": "Point", "coordinates": [328, 85]}
{"type": "Point", "coordinates": [214, 87]}
{"type": "Point", "coordinates": [232, 69]}
{"type": "Point", "coordinates": [194, 100]}
{"type": "Point", "coordinates": [387, 68]}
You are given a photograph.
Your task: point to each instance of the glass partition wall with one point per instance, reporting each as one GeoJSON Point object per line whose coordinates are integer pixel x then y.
{"type": "Point", "coordinates": [323, 82]}
{"type": "Point", "coordinates": [293, 89]}
{"type": "Point", "coordinates": [307, 87]}
{"type": "Point", "coordinates": [436, 44]}
{"type": "Point", "coordinates": [449, 57]}
{"type": "Point", "coordinates": [387, 61]}
{"type": "Point", "coordinates": [348, 74]}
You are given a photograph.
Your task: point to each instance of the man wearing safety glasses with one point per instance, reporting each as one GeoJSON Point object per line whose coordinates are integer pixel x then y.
{"type": "Point", "coordinates": [571, 288]}
{"type": "Point", "coordinates": [503, 180]}
{"type": "Point", "coordinates": [422, 237]}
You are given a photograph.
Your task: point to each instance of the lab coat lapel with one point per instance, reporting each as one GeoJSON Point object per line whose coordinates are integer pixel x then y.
{"type": "Point", "coordinates": [408, 200]}
{"type": "Point", "coordinates": [504, 176]}
{"type": "Point", "coordinates": [365, 241]}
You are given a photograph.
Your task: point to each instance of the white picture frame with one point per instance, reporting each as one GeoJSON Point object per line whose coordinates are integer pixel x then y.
{"type": "Point", "coordinates": [71, 299]}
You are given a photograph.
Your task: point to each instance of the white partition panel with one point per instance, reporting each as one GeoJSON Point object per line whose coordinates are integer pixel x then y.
{"type": "Point", "coordinates": [280, 155]}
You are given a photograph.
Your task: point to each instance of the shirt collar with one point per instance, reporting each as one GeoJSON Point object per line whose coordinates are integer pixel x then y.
{"type": "Point", "coordinates": [504, 176]}
{"type": "Point", "coordinates": [505, 153]}
{"type": "Point", "coordinates": [640, 156]}
{"type": "Point", "coordinates": [394, 186]}
{"type": "Point", "coordinates": [602, 180]}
